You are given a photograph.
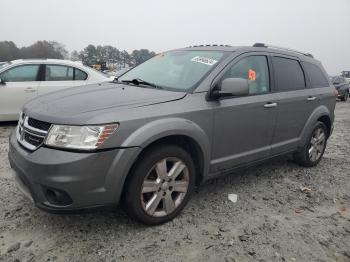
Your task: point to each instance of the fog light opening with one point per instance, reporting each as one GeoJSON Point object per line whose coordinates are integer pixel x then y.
{"type": "Point", "coordinates": [57, 197]}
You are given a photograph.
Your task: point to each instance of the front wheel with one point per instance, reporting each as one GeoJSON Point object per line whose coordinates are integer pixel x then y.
{"type": "Point", "coordinates": [160, 184]}
{"type": "Point", "coordinates": [312, 152]}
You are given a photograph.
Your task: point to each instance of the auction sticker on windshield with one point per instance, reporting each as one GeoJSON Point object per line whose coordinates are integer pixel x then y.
{"type": "Point", "coordinates": [204, 60]}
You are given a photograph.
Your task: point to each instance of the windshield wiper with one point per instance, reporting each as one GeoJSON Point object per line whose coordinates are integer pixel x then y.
{"type": "Point", "coordinates": [115, 80]}
{"type": "Point", "coordinates": [138, 81]}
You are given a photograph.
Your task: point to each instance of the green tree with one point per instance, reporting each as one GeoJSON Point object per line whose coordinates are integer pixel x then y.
{"type": "Point", "coordinates": [44, 49]}
{"type": "Point", "coordinates": [139, 56]}
{"type": "Point", "coordinates": [9, 51]}
{"type": "Point", "coordinates": [89, 55]}
{"type": "Point", "coordinates": [60, 48]}
{"type": "Point", "coordinates": [125, 58]}
{"type": "Point", "coordinates": [112, 54]}
{"type": "Point", "coordinates": [74, 55]}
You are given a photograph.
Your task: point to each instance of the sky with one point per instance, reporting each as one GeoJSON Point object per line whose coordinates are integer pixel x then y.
{"type": "Point", "coordinates": [320, 27]}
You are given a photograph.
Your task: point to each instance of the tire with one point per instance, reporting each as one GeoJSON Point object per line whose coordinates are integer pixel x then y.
{"type": "Point", "coordinates": [308, 157]}
{"type": "Point", "coordinates": [345, 97]}
{"type": "Point", "coordinates": [153, 194]}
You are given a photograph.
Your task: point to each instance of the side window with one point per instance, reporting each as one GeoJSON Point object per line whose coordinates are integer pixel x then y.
{"type": "Point", "coordinates": [289, 75]}
{"type": "Point", "coordinates": [58, 73]}
{"type": "Point", "coordinates": [317, 77]}
{"type": "Point", "coordinates": [255, 69]}
{"type": "Point", "coordinates": [23, 73]}
{"type": "Point", "coordinates": [79, 75]}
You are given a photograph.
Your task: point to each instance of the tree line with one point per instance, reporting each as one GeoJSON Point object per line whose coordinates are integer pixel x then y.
{"type": "Point", "coordinates": [89, 55]}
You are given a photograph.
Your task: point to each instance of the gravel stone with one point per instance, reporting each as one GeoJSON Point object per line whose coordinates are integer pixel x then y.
{"type": "Point", "coordinates": [14, 247]}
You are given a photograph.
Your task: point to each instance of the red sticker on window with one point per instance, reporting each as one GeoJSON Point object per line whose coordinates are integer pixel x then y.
{"type": "Point", "coordinates": [252, 75]}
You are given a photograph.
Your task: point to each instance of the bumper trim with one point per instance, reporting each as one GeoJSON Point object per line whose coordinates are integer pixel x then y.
{"type": "Point", "coordinates": [63, 211]}
{"type": "Point", "coordinates": [22, 187]}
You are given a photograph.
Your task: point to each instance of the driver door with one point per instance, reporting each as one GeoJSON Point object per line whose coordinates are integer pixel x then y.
{"type": "Point", "coordinates": [244, 126]}
{"type": "Point", "coordinates": [20, 84]}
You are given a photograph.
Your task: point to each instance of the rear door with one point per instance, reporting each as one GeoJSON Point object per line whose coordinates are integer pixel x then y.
{"type": "Point", "coordinates": [20, 85]}
{"type": "Point", "coordinates": [319, 86]}
{"type": "Point", "coordinates": [58, 77]}
{"type": "Point", "coordinates": [296, 102]}
{"type": "Point", "coordinates": [243, 126]}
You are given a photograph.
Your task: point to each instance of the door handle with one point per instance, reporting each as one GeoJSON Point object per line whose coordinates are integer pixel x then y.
{"type": "Point", "coordinates": [311, 98]}
{"type": "Point", "coordinates": [29, 89]}
{"type": "Point", "coordinates": [269, 105]}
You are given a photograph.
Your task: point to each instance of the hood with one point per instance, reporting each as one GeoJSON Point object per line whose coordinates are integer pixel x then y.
{"type": "Point", "coordinates": [70, 103]}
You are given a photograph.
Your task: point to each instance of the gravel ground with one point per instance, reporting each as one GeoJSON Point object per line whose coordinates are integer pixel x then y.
{"type": "Point", "coordinates": [273, 219]}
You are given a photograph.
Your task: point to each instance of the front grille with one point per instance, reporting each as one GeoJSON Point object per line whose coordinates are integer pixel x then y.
{"type": "Point", "coordinates": [33, 140]}
{"type": "Point", "coordinates": [38, 124]}
{"type": "Point", "coordinates": [31, 133]}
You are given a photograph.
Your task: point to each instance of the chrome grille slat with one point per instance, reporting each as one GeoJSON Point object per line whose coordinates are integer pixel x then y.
{"type": "Point", "coordinates": [30, 132]}
{"type": "Point", "coordinates": [28, 127]}
{"type": "Point", "coordinates": [29, 136]}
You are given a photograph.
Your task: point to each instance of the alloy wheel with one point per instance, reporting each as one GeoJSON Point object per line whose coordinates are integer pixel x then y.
{"type": "Point", "coordinates": [317, 144]}
{"type": "Point", "coordinates": [165, 187]}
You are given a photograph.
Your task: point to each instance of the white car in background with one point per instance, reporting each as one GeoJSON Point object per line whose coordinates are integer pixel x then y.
{"type": "Point", "coordinates": [22, 80]}
{"type": "Point", "coordinates": [3, 64]}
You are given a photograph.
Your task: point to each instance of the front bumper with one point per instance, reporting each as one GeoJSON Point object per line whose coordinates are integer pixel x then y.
{"type": "Point", "coordinates": [89, 179]}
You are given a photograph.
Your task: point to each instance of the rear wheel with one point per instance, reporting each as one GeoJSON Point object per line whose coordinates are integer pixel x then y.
{"type": "Point", "coordinates": [160, 184]}
{"type": "Point", "coordinates": [312, 152]}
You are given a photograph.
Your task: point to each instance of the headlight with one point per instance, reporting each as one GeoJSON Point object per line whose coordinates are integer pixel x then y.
{"type": "Point", "coordinates": [79, 137]}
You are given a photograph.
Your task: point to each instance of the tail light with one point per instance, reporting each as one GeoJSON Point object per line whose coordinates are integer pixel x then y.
{"type": "Point", "coordinates": [336, 93]}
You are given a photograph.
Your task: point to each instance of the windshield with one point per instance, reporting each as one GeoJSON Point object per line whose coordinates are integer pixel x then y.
{"type": "Point", "coordinates": [175, 70]}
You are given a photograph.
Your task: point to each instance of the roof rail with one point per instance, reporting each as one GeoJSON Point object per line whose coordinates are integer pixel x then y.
{"type": "Point", "coordinates": [281, 48]}
{"type": "Point", "coordinates": [209, 45]}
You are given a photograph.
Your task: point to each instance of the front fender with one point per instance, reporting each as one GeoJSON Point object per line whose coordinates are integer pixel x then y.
{"type": "Point", "coordinates": [162, 128]}
{"type": "Point", "coordinates": [148, 134]}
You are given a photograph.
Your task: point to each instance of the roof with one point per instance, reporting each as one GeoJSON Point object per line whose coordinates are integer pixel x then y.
{"type": "Point", "coordinates": [39, 60]}
{"type": "Point", "coordinates": [258, 47]}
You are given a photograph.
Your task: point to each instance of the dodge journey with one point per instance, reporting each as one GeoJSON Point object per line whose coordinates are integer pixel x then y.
{"type": "Point", "coordinates": [148, 138]}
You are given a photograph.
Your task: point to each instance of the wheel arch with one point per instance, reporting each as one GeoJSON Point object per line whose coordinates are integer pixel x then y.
{"type": "Point", "coordinates": [321, 114]}
{"type": "Point", "coordinates": [177, 131]}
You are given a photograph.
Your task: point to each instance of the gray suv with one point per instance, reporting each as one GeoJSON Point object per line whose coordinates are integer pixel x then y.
{"type": "Point", "coordinates": [182, 117]}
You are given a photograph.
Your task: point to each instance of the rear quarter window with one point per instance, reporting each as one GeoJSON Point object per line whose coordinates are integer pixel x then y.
{"type": "Point", "coordinates": [316, 75]}
{"type": "Point", "coordinates": [79, 75]}
{"type": "Point", "coordinates": [288, 73]}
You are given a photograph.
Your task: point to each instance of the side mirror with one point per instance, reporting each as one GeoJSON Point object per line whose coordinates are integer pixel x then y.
{"type": "Point", "coordinates": [2, 82]}
{"type": "Point", "coordinates": [232, 87]}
